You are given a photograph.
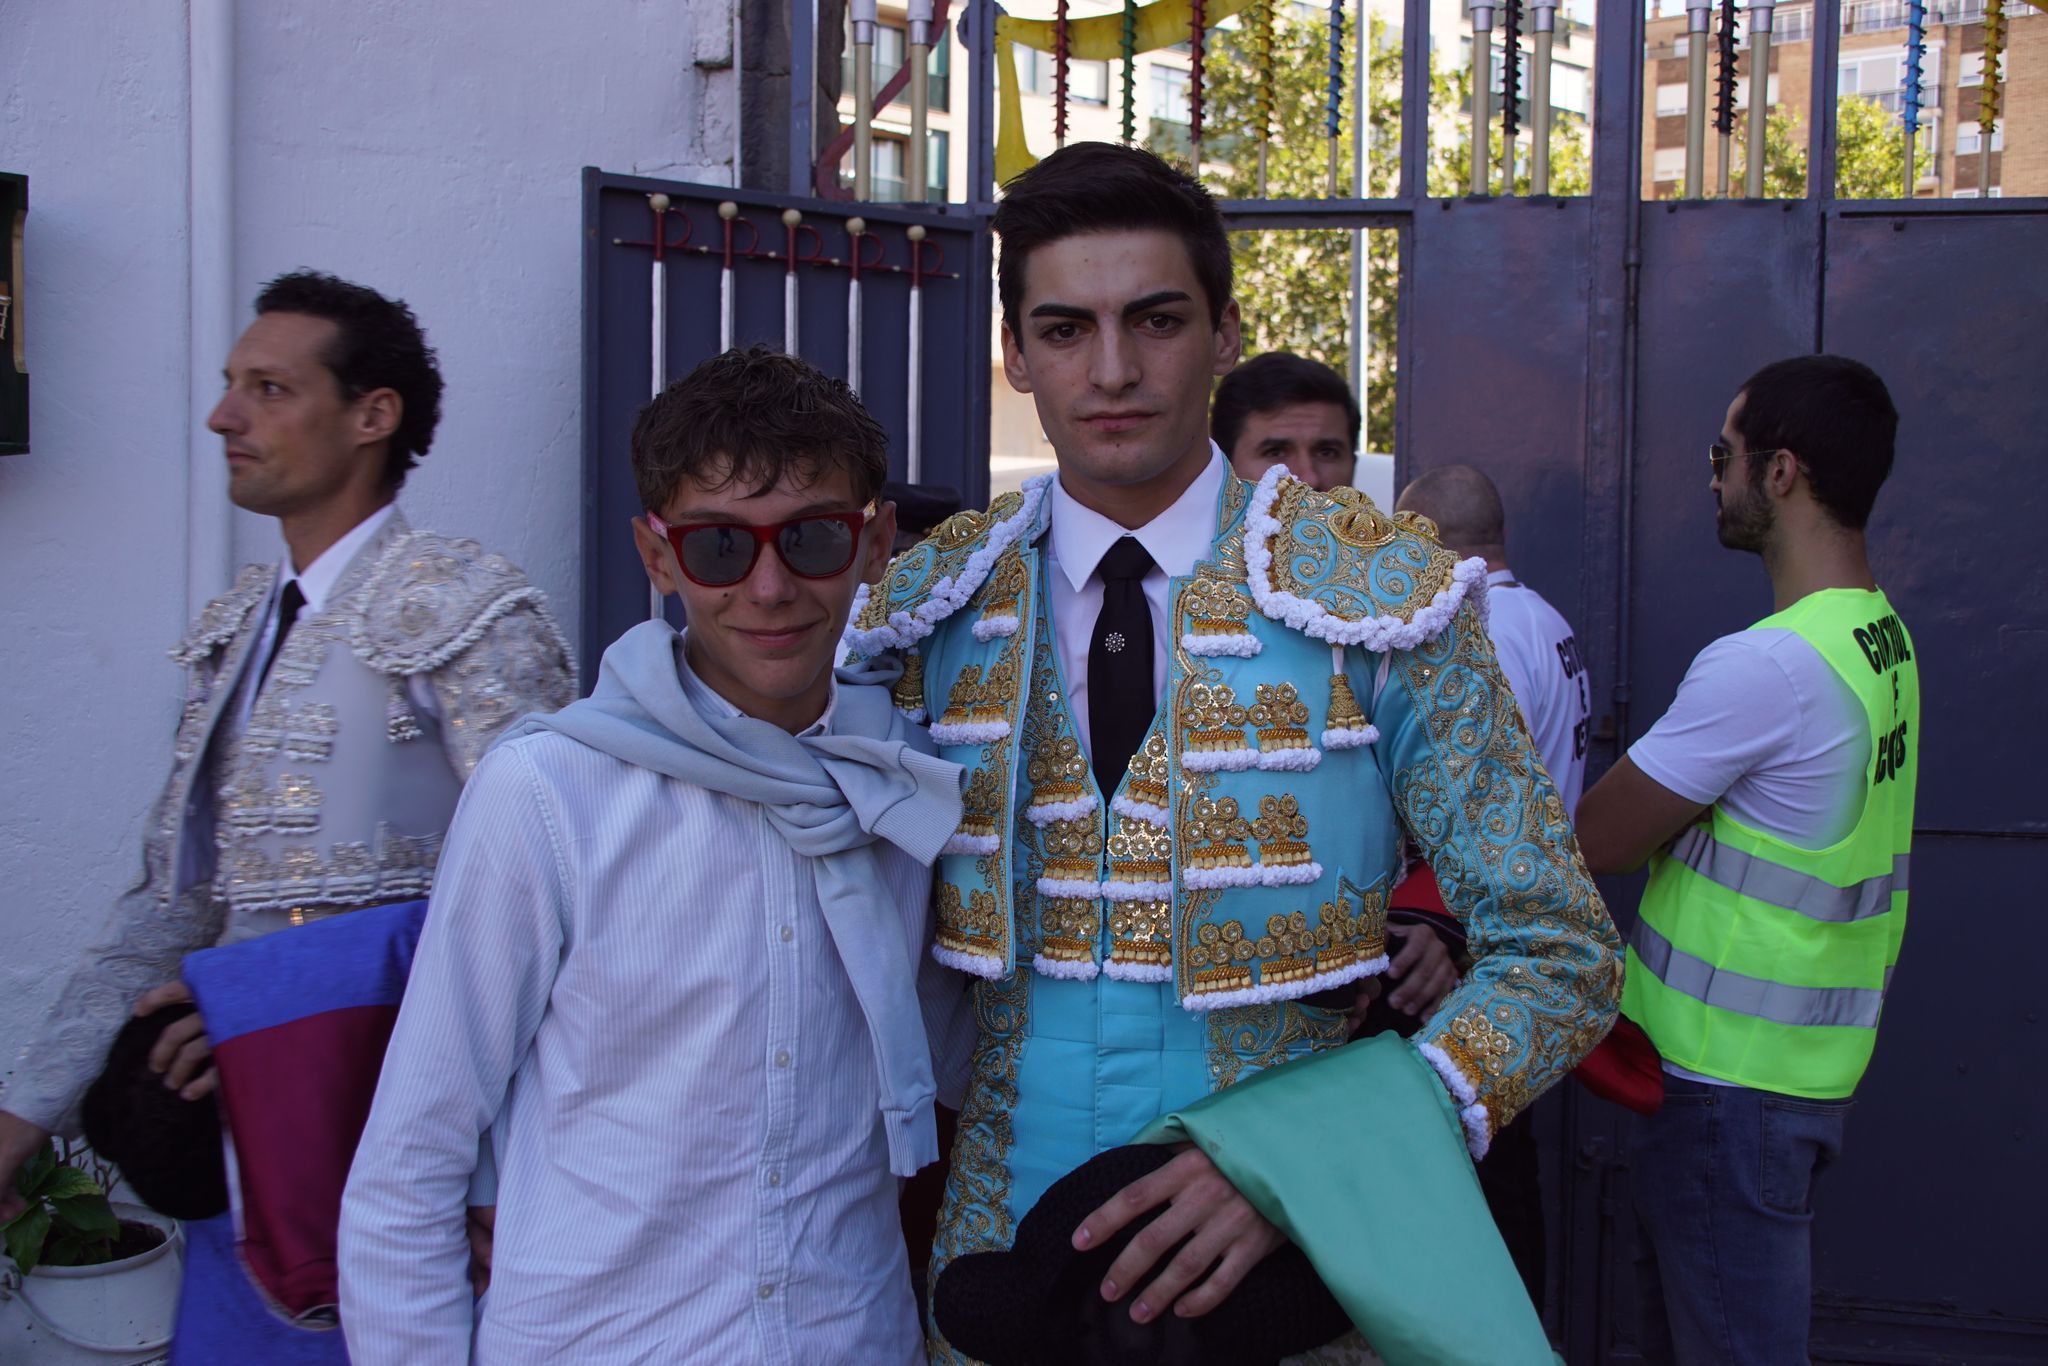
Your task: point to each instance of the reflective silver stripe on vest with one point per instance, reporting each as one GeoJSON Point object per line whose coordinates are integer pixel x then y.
{"type": "Point", "coordinates": [1751, 875]}
{"type": "Point", "coordinates": [1857, 1007]}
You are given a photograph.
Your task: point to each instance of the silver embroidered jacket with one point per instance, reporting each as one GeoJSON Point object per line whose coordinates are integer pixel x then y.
{"type": "Point", "coordinates": [336, 792]}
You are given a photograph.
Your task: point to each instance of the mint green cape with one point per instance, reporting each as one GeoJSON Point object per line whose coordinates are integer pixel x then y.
{"type": "Point", "coordinates": [1358, 1156]}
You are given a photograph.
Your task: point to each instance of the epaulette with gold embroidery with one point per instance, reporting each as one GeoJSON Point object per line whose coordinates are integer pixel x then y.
{"type": "Point", "coordinates": [1333, 566]}
{"type": "Point", "coordinates": [221, 618]}
{"type": "Point", "coordinates": [936, 577]}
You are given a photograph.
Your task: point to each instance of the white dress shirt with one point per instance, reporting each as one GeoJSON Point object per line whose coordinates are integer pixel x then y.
{"type": "Point", "coordinates": [1079, 537]}
{"type": "Point", "coordinates": [632, 977]}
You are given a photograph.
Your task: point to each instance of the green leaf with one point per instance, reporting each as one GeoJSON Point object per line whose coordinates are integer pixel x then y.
{"type": "Point", "coordinates": [66, 1182]}
{"type": "Point", "coordinates": [25, 1234]}
{"type": "Point", "coordinates": [89, 1216]}
{"type": "Point", "coordinates": [36, 1170]}
{"type": "Point", "coordinates": [69, 1249]}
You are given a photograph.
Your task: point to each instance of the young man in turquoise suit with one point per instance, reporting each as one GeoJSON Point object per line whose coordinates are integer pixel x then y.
{"type": "Point", "coordinates": [1198, 717]}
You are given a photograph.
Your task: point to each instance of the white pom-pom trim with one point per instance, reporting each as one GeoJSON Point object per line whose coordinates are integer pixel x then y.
{"type": "Point", "coordinates": [1242, 645]}
{"type": "Point", "coordinates": [1138, 972]}
{"type": "Point", "coordinates": [904, 629]}
{"type": "Point", "coordinates": [1088, 890]}
{"type": "Point", "coordinates": [1376, 633]}
{"type": "Point", "coordinates": [1043, 814]}
{"type": "Point", "coordinates": [988, 628]}
{"type": "Point", "coordinates": [1285, 991]}
{"type": "Point", "coordinates": [914, 715]}
{"type": "Point", "coordinates": [969, 732]}
{"type": "Point", "coordinates": [1119, 890]}
{"type": "Point", "coordinates": [977, 845]}
{"type": "Point", "coordinates": [1061, 968]}
{"type": "Point", "coordinates": [1470, 1112]}
{"type": "Point", "coordinates": [1219, 760]}
{"type": "Point", "coordinates": [1295, 759]}
{"type": "Point", "coordinates": [1155, 816]}
{"type": "Point", "coordinates": [973, 964]}
{"type": "Point", "coordinates": [1257, 875]}
{"type": "Point", "coordinates": [1335, 738]}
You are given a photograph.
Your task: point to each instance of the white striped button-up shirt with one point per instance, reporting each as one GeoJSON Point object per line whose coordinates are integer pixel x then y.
{"type": "Point", "coordinates": [631, 976]}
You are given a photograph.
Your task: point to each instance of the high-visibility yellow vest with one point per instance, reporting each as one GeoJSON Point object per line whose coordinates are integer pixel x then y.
{"type": "Point", "coordinates": [1764, 964]}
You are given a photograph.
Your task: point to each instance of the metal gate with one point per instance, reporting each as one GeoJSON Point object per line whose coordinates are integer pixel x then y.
{"type": "Point", "coordinates": [1583, 350]}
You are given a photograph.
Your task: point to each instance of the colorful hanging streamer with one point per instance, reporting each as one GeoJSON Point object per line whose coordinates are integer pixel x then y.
{"type": "Point", "coordinates": [1987, 92]}
{"type": "Point", "coordinates": [1130, 55]}
{"type": "Point", "coordinates": [1059, 74]}
{"type": "Point", "coordinates": [1198, 39]}
{"type": "Point", "coordinates": [1336, 105]}
{"type": "Point", "coordinates": [1510, 78]}
{"type": "Point", "coordinates": [1916, 54]}
{"type": "Point", "coordinates": [1724, 81]}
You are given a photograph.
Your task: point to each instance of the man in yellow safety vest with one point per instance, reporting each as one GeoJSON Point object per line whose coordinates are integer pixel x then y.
{"type": "Point", "coordinates": [1774, 805]}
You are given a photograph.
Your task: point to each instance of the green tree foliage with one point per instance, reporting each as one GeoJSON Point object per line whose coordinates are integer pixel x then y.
{"type": "Point", "coordinates": [1295, 286]}
{"type": "Point", "coordinates": [1870, 152]}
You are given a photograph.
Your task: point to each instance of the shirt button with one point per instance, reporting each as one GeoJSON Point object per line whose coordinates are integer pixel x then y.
{"type": "Point", "coordinates": [782, 1057]}
{"type": "Point", "coordinates": [774, 1178]}
{"type": "Point", "coordinates": [767, 1291]}
{"type": "Point", "coordinates": [787, 934]}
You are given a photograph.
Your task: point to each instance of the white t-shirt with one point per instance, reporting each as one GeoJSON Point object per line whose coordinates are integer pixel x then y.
{"type": "Point", "coordinates": [1540, 656]}
{"type": "Point", "coordinates": [1764, 727]}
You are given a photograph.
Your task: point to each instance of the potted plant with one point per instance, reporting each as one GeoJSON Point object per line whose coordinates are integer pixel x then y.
{"type": "Point", "coordinates": [96, 1280]}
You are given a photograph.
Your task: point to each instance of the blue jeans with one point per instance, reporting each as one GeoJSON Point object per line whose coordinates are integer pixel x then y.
{"type": "Point", "coordinates": [1723, 1183]}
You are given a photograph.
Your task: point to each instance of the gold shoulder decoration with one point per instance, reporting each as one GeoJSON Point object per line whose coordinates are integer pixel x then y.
{"type": "Point", "coordinates": [1336, 568]}
{"type": "Point", "coordinates": [939, 575]}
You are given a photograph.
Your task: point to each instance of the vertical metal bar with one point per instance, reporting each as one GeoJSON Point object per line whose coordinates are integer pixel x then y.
{"type": "Point", "coordinates": [1539, 97]}
{"type": "Point", "coordinates": [920, 15]}
{"type": "Point", "coordinates": [1827, 47]}
{"type": "Point", "coordinates": [863, 98]}
{"type": "Point", "coordinates": [980, 33]}
{"type": "Point", "coordinates": [1361, 134]}
{"type": "Point", "coordinates": [1759, 96]}
{"type": "Point", "coordinates": [1414, 105]}
{"type": "Point", "coordinates": [1482, 95]}
{"type": "Point", "coordinates": [1697, 13]}
{"type": "Point", "coordinates": [803, 93]}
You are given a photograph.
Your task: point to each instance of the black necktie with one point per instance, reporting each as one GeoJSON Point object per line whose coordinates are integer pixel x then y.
{"type": "Point", "coordinates": [288, 605]}
{"type": "Point", "coordinates": [1120, 696]}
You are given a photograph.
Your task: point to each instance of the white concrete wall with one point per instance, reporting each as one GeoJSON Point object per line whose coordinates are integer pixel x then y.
{"type": "Point", "coordinates": [432, 151]}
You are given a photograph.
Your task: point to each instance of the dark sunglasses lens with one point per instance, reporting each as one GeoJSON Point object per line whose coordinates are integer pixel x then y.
{"type": "Point", "coordinates": [716, 555]}
{"type": "Point", "coordinates": [817, 547]}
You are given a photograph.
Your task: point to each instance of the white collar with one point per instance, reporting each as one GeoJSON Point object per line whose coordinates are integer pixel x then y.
{"type": "Point", "coordinates": [1175, 539]}
{"type": "Point", "coordinates": [1500, 576]}
{"type": "Point", "coordinates": [317, 580]}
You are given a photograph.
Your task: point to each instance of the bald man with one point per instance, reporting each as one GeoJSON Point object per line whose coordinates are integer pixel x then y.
{"type": "Point", "coordinates": [1538, 652]}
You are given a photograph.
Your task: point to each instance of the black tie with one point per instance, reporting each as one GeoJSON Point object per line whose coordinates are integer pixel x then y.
{"type": "Point", "coordinates": [288, 605]}
{"type": "Point", "coordinates": [1120, 696]}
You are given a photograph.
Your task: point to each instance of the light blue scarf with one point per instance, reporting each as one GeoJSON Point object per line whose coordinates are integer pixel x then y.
{"type": "Point", "coordinates": [872, 775]}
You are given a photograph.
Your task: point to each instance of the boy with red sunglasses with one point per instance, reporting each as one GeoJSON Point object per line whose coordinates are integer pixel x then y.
{"type": "Point", "coordinates": [672, 959]}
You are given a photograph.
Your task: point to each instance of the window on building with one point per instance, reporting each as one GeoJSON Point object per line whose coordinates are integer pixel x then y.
{"type": "Point", "coordinates": [885, 167]}
{"type": "Point", "coordinates": [1671, 99]}
{"type": "Point", "coordinates": [1970, 138]}
{"type": "Point", "coordinates": [1667, 163]}
{"type": "Point", "coordinates": [1570, 89]}
{"type": "Point", "coordinates": [1088, 82]}
{"type": "Point", "coordinates": [1971, 71]}
{"type": "Point", "coordinates": [1169, 88]}
{"type": "Point", "coordinates": [938, 167]}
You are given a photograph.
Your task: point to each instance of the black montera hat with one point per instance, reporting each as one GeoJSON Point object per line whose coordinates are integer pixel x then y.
{"type": "Point", "coordinates": [1041, 1301]}
{"type": "Point", "coordinates": [168, 1148]}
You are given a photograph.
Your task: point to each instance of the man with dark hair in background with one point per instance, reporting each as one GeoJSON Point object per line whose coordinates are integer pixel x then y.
{"type": "Point", "coordinates": [1774, 805]}
{"type": "Point", "coordinates": [334, 702]}
{"type": "Point", "coordinates": [1283, 409]}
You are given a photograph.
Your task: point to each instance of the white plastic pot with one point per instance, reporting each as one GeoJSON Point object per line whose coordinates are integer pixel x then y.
{"type": "Point", "coordinates": [116, 1314]}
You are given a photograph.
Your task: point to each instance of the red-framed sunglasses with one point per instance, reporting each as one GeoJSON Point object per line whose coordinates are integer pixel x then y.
{"type": "Point", "coordinates": [721, 554]}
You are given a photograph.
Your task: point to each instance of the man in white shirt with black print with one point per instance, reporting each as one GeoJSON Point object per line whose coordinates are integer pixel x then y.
{"type": "Point", "coordinates": [1534, 643]}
